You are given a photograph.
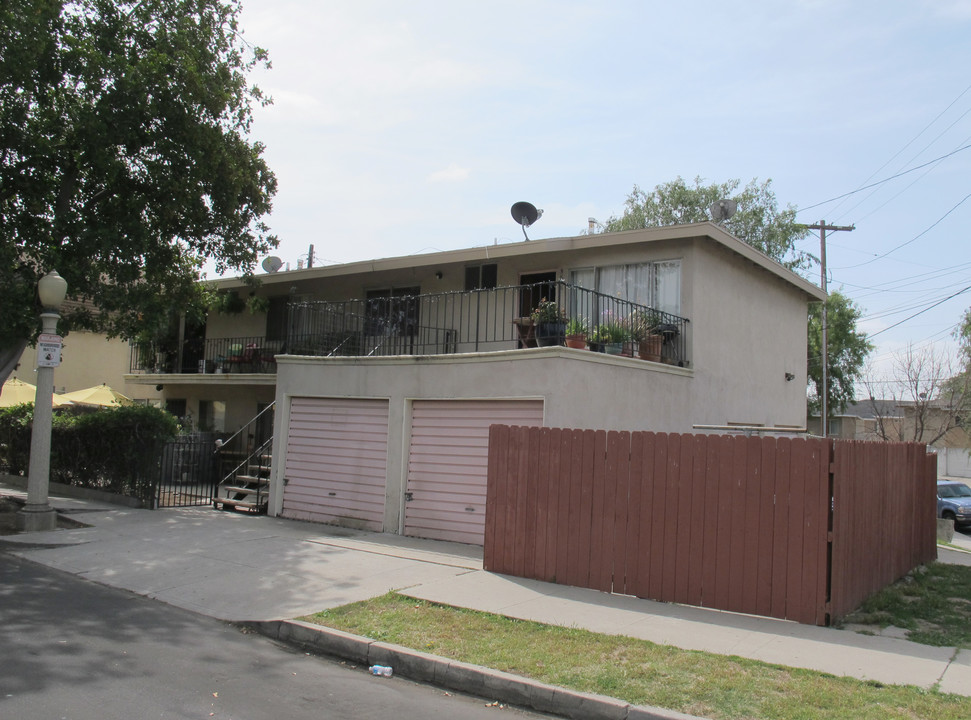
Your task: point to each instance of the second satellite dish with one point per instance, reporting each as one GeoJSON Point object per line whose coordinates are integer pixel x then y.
{"type": "Point", "coordinates": [525, 214]}
{"type": "Point", "coordinates": [723, 210]}
{"type": "Point", "coordinates": [272, 264]}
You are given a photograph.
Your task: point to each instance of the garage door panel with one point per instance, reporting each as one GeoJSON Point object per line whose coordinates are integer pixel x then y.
{"type": "Point", "coordinates": [448, 468]}
{"type": "Point", "coordinates": [448, 463]}
{"type": "Point", "coordinates": [362, 511]}
{"type": "Point", "coordinates": [336, 464]}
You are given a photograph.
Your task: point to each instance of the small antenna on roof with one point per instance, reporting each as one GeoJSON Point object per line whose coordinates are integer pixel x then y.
{"type": "Point", "coordinates": [525, 214]}
{"type": "Point", "coordinates": [723, 210]}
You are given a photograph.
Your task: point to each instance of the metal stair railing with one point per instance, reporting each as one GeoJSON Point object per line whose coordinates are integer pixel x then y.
{"type": "Point", "coordinates": [246, 483]}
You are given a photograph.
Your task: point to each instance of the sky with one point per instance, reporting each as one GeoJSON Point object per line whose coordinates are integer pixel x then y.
{"type": "Point", "coordinates": [404, 128]}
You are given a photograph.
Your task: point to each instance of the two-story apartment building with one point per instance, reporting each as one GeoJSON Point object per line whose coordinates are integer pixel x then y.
{"type": "Point", "coordinates": [386, 374]}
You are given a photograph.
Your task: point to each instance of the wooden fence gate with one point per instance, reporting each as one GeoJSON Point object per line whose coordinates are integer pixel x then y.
{"type": "Point", "coordinates": [796, 528]}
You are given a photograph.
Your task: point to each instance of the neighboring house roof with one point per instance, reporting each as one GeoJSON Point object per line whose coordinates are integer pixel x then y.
{"type": "Point", "coordinates": [870, 409]}
{"type": "Point", "coordinates": [486, 253]}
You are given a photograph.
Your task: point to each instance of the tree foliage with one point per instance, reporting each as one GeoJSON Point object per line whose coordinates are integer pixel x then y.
{"type": "Point", "coordinates": [757, 221]}
{"type": "Point", "coordinates": [848, 350]}
{"type": "Point", "coordinates": [124, 158]}
{"type": "Point", "coordinates": [963, 335]}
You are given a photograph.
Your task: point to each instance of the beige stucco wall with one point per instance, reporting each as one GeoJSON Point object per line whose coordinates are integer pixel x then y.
{"type": "Point", "coordinates": [88, 359]}
{"type": "Point", "coordinates": [242, 395]}
{"type": "Point", "coordinates": [747, 330]}
{"type": "Point", "coordinates": [580, 389]}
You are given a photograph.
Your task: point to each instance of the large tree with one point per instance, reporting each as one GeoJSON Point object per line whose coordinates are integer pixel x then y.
{"type": "Point", "coordinates": [125, 161]}
{"type": "Point", "coordinates": [848, 350]}
{"type": "Point", "coordinates": [758, 220]}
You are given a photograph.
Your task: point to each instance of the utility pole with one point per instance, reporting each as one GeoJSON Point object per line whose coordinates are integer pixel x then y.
{"type": "Point", "coordinates": [823, 227]}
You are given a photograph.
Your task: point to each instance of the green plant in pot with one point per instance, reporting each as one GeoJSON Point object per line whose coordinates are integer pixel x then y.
{"type": "Point", "coordinates": [644, 329]}
{"type": "Point", "coordinates": [576, 333]}
{"type": "Point", "coordinates": [550, 323]}
{"type": "Point", "coordinates": [613, 334]}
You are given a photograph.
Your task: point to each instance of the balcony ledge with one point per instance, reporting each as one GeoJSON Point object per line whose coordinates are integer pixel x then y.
{"type": "Point", "coordinates": [518, 355]}
{"type": "Point", "coordinates": [260, 379]}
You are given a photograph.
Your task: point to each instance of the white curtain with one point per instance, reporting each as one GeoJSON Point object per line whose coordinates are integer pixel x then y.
{"type": "Point", "coordinates": [667, 294]}
{"type": "Point", "coordinates": [656, 285]}
{"type": "Point", "coordinates": [582, 304]}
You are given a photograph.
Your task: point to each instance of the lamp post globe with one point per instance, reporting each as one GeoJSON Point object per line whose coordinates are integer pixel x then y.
{"type": "Point", "coordinates": [37, 513]}
{"type": "Point", "coordinates": [52, 289]}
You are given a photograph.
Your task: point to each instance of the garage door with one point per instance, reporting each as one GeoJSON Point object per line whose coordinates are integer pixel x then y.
{"type": "Point", "coordinates": [336, 463]}
{"type": "Point", "coordinates": [448, 464]}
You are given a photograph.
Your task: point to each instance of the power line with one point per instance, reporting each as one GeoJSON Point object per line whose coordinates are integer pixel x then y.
{"type": "Point", "coordinates": [913, 239]}
{"type": "Point", "coordinates": [886, 180]}
{"type": "Point", "coordinates": [911, 317]}
{"type": "Point", "coordinates": [914, 139]}
{"type": "Point", "coordinates": [909, 143]}
{"type": "Point", "coordinates": [895, 286]}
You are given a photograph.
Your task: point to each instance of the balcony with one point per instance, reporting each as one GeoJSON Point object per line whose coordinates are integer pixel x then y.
{"type": "Point", "coordinates": [485, 320]}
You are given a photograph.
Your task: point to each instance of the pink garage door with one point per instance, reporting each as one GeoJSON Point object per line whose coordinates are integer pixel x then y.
{"type": "Point", "coordinates": [448, 464]}
{"type": "Point", "coordinates": [336, 464]}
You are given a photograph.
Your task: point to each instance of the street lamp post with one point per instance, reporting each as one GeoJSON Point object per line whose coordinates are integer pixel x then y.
{"type": "Point", "coordinates": [37, 513]}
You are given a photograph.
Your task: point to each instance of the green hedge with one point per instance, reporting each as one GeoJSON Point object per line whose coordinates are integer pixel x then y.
{"type": "Point", "coordinates": [113, 449]}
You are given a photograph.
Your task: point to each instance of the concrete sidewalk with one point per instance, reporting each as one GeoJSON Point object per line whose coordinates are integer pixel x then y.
{"type": "Point", "coordinates": [255, 568]}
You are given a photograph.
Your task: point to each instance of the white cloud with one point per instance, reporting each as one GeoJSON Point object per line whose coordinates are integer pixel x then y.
{"type": "Point", "coordinates": [453, 173]}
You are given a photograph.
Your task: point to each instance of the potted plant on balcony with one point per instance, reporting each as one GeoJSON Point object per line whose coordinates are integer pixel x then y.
{"type": "Point", "coordinates": [613, 335]}
{"type": "Point", "coordinates": [644, 328]}
{"type": "Point", "coordinates": [576, 333]}
{"type": "Point", "coordinates": [549, 322]}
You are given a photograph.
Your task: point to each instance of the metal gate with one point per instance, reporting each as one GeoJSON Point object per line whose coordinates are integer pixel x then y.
{"type": "Point", "coordinates": [189, 473]}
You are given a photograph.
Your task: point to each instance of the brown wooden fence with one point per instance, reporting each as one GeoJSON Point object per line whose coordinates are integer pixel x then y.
{"type": "Point", "coordinates": [794, 528]}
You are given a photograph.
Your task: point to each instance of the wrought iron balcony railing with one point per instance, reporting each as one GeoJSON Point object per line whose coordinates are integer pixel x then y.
{"type": "Point", "coordinates": [484, 320]}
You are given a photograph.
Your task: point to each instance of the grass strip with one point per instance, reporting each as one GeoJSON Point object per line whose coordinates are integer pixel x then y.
{"type": "Point", "coordinates": [636, 671]}
{"type": "Point", "coordinates": [933, 603]}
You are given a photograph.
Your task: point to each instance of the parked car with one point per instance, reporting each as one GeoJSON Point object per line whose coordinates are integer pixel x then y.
{"type": "Point", "coordinates": [954, 501]}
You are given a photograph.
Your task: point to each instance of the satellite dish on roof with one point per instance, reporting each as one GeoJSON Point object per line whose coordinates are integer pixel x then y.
{"type": "Point", "coordinates": [525, 214]}
{"type": "Point", "coordinates": [723, 209]}
{"type": "Point", "coordinates": [272, 264]}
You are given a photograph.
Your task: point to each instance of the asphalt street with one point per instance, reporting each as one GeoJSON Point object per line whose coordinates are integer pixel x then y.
{"type": "Point", "coordinates": [76, 650]}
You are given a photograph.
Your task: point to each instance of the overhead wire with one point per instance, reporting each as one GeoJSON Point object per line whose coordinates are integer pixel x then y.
{"type": "Point", "coordinates": [897, 285]}
{"type": "Point", "coordinates": [908, 242]}
{"type": "Point", "coordinates": [933, 164]}
{"type": "Point", "coordinates": [911, 317]}
{"type": "Point", "coordinates": [900, 151]}
{"type": "Point", "coordinates": [900, 192]}
{"type": "Point", "coordinates": [886, 180]}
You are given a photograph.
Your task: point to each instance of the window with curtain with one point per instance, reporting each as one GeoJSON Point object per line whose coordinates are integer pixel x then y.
{"type": "Point", "coordinates": [655, 284]}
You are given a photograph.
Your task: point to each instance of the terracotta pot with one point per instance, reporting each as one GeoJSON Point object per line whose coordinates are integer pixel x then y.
{"type": "Point", "coordinates": [578, 342]}
{"type": "Point", "coordinates": [650, 348]}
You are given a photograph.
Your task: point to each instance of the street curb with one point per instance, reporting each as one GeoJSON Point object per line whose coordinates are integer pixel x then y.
{"type": "Point", "coordinates": [462, 677]}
